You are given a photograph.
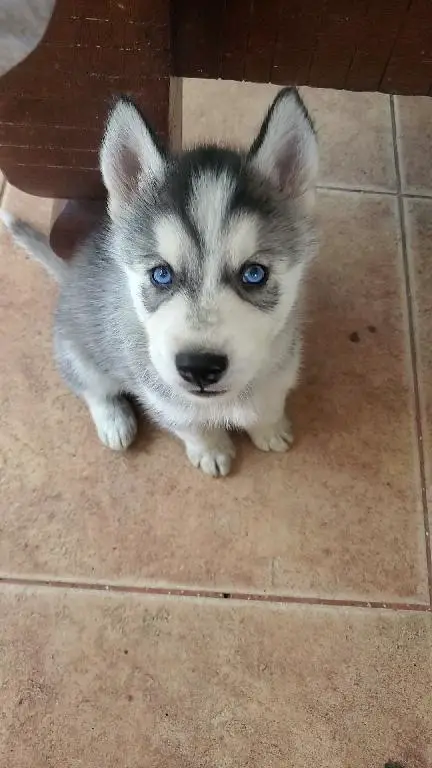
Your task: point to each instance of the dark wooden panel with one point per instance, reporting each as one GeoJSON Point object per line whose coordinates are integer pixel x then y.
{"type": "Point", "coordinates": [196, 41]}
{"type": "Point", "coordinates": [298, 25]}
{"type": "Point", "coordinates": [81, 109]}
{"type": "Point", "coordinates": [49, 137]}
{"type": "Point", "coordinates": [262, 35]}
{"type": "Point", "coordinates": [378, 30]}
{"type": "Point", "coordinates": [358, 44]}
{"type": "Point", "coordinates": [153, 11]}
{"type": "Point", "coordinates": [54, 105]}
{"type": "Point", "coordinates": [336, 42]}
{"type": "Point", "coordinates": [234, 37]}
{"type": "Point", "coordinates": [44, 157]}
{"type": "Point", "coordinates": [55, 181]}
{"type": "Point", "coordinates": [109, 33]}
{"type": "Point", "coordinates": [56, 69]}
{"type": "Point", "coordinates": [410, 67]}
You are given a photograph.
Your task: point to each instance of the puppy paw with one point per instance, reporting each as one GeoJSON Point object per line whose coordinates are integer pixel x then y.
{"type": "Point", "coordinates": [213, 457]}
{"type": "Point", "coordinates": [115, 423]}
{"type": "Point", "coordinates": [274, 437]}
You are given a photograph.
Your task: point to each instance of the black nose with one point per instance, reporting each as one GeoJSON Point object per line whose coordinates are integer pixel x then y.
{"type": "Point", "coordinates": [201, 368]}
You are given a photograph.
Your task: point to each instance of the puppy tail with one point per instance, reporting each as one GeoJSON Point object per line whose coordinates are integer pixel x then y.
{"type": "Point", "coordinates": [36, 245]}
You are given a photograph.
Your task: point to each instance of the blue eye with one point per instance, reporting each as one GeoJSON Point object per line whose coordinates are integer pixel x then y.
{"type": "Point", "coordinates": [254, 274]}
{"type": "Point", "coordinates": [161, 276]}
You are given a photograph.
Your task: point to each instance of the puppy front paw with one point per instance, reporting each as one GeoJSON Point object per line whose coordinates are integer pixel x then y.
{"type": "Point", "coordinates": [273, 437]}
{"type": "Point", "coordinates": [213, 456]}
{"type": "Point", "coordinates": [115, 423]}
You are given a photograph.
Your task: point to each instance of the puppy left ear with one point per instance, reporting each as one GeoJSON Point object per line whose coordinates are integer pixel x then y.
{"type": "Point", "coordinates": [285, 150]}
{"type": "Point", "coordinates": [130, 157]}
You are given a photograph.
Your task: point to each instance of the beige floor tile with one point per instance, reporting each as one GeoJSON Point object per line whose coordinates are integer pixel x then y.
{"type": "Point", "coordinates": [35, 210]}
{"type": "Point", "coordinates": [104, 680]}
{"type": "Point", "coordinates": [355, 409]}
{"type": "Point", "coordinates": [419, 221]}
{"type": "Point", "coordinates": [339, 516]}
{"type": "Point", "coordinates": [414, 130]}
{"type": "Point", "coordinates": [355, 134]}
{"type": "Point", "coordinates": [354, 129]}
{"type": "Point", "coordinates": [209, 107]}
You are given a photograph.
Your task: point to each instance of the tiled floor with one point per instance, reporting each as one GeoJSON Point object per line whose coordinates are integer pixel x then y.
{"type": "Point", "coordinates": [279, 618]}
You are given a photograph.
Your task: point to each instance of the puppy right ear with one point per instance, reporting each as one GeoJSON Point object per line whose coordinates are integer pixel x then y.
{"type": "Point", "coordinates": [130, 156]}
{"type": "Point", "coordinates": [285, 150]}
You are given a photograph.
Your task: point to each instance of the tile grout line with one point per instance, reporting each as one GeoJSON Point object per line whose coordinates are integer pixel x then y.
{"type": "Point", "coordinates": [413, 347]}
{"type": "Point", "coordinates": [355, 190]}
{"type": "Point", "coordinates": [377, 192]}
{"type": "Point", "coordinates": [416, 195]}
{"type": "Point", "coordinates": [191, 592]}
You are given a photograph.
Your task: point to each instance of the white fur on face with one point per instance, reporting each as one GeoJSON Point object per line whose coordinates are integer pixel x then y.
{"type": "Point", "coordinates": [171, 240]}
{"type": "Point", "coordinates": [213, 317]}
{"type": "Point", "coordinates": [239, 330]}
{"type": "Point", "coordinates": [211, 195]}
{"type": "Point", "coordinates": [242, 240]}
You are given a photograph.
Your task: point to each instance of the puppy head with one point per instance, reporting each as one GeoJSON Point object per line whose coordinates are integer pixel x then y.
{"type": "Point", "coordinates": [214, 243]}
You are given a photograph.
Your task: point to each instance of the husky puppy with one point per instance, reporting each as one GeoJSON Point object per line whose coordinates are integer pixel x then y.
{"type": "Point", "coordinates": [186, 298]}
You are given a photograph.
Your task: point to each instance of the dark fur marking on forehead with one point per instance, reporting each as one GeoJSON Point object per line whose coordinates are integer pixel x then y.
{"type": "Point", "coordinates": [183, 171]}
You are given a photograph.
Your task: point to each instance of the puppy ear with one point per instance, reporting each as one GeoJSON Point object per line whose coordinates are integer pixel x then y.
{"type": "Point", "coordinates": [285, 150]}
{"type": "Point", "coordinates": [130, 155]}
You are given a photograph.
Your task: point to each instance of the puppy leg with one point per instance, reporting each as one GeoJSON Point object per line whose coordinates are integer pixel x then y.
{"type": "Point", "coordinates": [114, 420]}
{"type": "Point", "coordinates": [210, 450]}
{"type": "Point", "coordinates": [273, 430]}
{"type": "Point", "coordinates": [276, 435]}
{"type": "Point", "coordinates": [112, 414]}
